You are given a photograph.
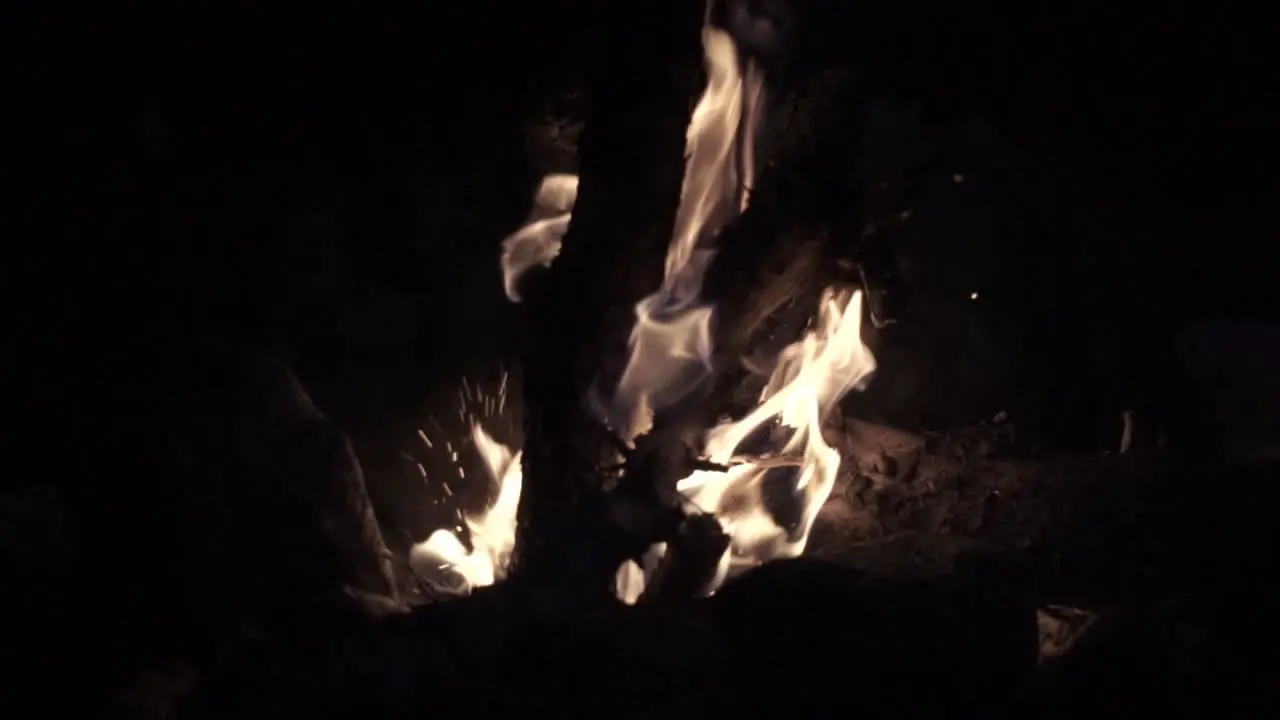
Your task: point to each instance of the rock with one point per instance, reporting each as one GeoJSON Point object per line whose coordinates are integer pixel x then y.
{"type": "Point", "coordinates": [278, 484]}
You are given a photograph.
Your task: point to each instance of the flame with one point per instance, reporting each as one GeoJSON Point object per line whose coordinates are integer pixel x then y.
{"type": "Point", "coordinates": [811, 377]}
{"type": "Point", "coordinates": [493, 532]}
{"type": "Point", "coordinates": [538, 242]}
{"type": "Point", "coordinates": [670, 351]}
{"type": "Point", "coordinates": [670, 345]}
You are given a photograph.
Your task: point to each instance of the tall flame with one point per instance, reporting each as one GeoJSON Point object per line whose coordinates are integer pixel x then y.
{"type": "Point", "coordinates": [670, 351]}
{"type": "Point", "coordinates": [670, 346]}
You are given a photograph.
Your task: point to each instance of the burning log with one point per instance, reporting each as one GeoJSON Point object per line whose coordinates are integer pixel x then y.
{"type": "Point", "coordinates": [656, 403]}
{"type": "Point", "coordinates": [690, 563]}
{"type": "Point", "coordinates": [965, 635]}
{"type": "Point", "coordinates": [656, 400]}
{"type": "Point", "coordinates": [631, 167]}
{"type": "Point", "coordinates": [782, 250]}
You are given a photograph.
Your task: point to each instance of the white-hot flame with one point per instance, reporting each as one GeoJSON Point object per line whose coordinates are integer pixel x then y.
{"type": "Point", "coordinates": [670, 353]}
{"type": "Point", "coordinates": [493, 532]}
{"type": "Point", "coordinates": [811, 376]}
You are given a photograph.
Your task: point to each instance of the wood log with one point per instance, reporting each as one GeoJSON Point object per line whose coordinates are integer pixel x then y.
{"type": "Point", "coordinates": [689, 567]}
{"type": "Point", "coordinates": [639, 97]}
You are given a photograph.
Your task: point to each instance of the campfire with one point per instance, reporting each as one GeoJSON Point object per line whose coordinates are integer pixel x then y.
{"type": "Point", "coordinates": [670, 356]}
{"type": "Point", "coordinates": [699, 488]}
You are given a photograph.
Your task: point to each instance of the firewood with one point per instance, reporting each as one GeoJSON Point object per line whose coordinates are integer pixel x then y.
{"type": "Point", "coordinates": [639, 95]}
{"type": "Point", "coordinates": [690, 564]}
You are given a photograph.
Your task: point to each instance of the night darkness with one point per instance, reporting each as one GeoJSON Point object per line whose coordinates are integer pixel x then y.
{"type": "Point", "coordinates": [200, 190]}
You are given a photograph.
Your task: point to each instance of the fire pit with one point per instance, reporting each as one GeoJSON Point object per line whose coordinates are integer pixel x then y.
{"type": "Point", "coordinates": [702, 480]}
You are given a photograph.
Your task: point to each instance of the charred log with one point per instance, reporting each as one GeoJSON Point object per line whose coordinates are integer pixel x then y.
{"type": "Point", "coordinates": [639, 98]}
{"type": "Point", "coordinates": [690, 564]}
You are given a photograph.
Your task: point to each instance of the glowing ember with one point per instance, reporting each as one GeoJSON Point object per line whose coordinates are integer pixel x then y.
{"type": "Point", "coordinates": [670, 354]}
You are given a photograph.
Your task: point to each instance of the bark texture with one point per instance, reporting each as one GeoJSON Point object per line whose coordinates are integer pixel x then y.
{"type": "Point", "coordinates": [640, 93]}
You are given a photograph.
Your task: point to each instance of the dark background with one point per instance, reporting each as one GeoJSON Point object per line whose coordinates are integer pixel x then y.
{"type": "Point", "coordinates": [332, 189]}
{"type": "Point", "coordinates": [334, 186]}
